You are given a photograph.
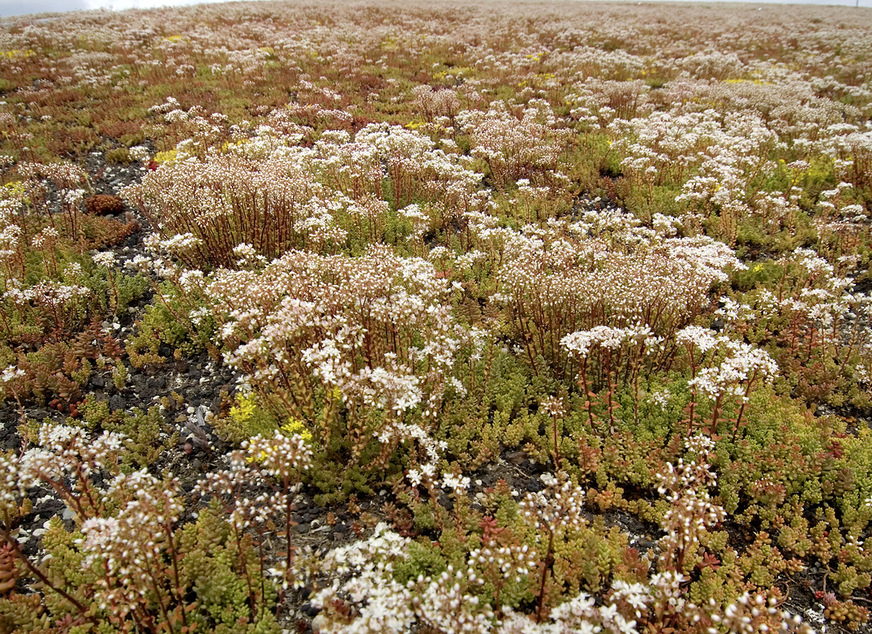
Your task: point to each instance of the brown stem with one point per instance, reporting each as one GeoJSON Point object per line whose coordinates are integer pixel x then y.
{"type": "Point", "coordinates": [742, 407]}
{"type": "Point", "coordinates": [288, 507]}
{"type": "Point", "coordinates": [160, 601]}
{"type": "Point", "coordinates": [692, 393]}
{"type": "Point", "coordinates": [587, 401]}
{"type": "Point", "coordinates": [546, 565]}
{"type": "Point", "coordinates": [636, 394]}
{"type": "Point", "coordinates": [36, 572]}
{"type": "Point", "coordinates": [86, 490]}
{"type": "Point", "coordinates": [260, 556]}
{"type": "Point", "coordinates": [556, 444]}
{"type": "Point", "coordinates": [716, 411]}
{"type": "Point", "coordinates": [174, 556]}
{"type": "Point", "coordinates": [245, 573]}
{"type": "Point", "coordinates": [74, 502]}
{"type": "Point", "coordinates": [609, 402]}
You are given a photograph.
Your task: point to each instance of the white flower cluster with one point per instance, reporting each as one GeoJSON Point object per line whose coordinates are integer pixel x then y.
{"type": "Point", "coordinates": [48, 294]}
{"type": "Point", "coordinates": [271, 194]}
{"type": "Point", "coordinates": [65, 452]}
{"type": "Point", "coordinates": [749, 613]}
{"type": "Point", "coordinates": [370, 600]}
{"type": "Point", "coordinates": [375, 332]}
{"type": "Point", "coordinates": [581, 614]}
{"type": "Point", "coordinates": [130, 545]}
{"type": "Point", "coordinates": [579, 343]}
{"type": "Point", "coordinates": [104, 258]}
{"type": "Point", "coordinates": [743, 365]}
{"type": "Point", "coordinates": [605, 272]}
{"type": "Point", "coordinates": [382, 604]}
{"type": "Point", "coordinates": [513, 562]}
{"type": "Point", "coordinates": [446, 603]}
{"type": "Point", "coordinates": [558, 506]}
{"type": "Point", "coordinates": [46, 237]}
{"type": "Point", "coordinates": [139, 153]}
{"type": "Point", "coordinates": [514, 144]}
{"type": "Point", "coordinates": [379, 604]}
{"type": "Point", "coordinates": [65, 459]}
{"type": "Point", "coordinates": [435, 103]}
{"type": "Point", "coordinates": [282, 457]}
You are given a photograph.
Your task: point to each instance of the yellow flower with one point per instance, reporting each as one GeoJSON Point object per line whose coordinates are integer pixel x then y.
{"type": "Point", "coordinates": [244, 409]}
{"type": "Point", "coordinates": [17, 54]}
{"type": "Point", "coordinates": [168, 157]}
{"type": "Point", "coordinates": [295, 427]}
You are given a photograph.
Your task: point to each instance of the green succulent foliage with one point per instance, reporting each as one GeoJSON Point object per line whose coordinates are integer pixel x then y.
{"type": "Point", "coordinates": [147, 435]}
{"type": "Point", "coordinates": [211, 567]}
{"type": "Point", "coordinates": [475, 424]}
{"type": "Point", "coordinates": [163, 323]}
{"type": "Point", "coordinates": [755, 236]}
{"type": "Point", "coordinates": [336, 482]}
{"type": "Point", "coordinates": [23, 613]}
{"type": "Point", "coordinates": [424, 559]}
{"type": "Point", "coordinates": [121, 290]}
{"type": "Point", "coordinates": [119, 155]}
{"type": "Point", "coordinates": [586, 559]}
{"type": "Point", "coordinates": [721, 583]}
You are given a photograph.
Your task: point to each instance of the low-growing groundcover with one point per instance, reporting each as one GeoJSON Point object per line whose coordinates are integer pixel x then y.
{"type": "Point", "coordinates": [511, 317]}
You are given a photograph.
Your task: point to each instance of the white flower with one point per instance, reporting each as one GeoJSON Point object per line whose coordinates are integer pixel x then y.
{"type": "Point", "coordinates": [414, 476]}
{"type": "Point", "coordinates": [458, 484]}
{"type": "Point", "coordinates": [104, 258]}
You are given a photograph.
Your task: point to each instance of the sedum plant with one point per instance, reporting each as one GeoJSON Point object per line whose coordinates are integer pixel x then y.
{"type": "Point", "coordinates": [128, 559]}
{"type": "Point", "coordinates": [358, 349]}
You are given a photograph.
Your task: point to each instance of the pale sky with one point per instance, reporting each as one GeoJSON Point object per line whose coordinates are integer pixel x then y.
{"type": "Point", "coordinates": [19, 7]}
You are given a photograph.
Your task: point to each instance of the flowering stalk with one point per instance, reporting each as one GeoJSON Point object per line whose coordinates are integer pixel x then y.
{"type": "Point", "coordinates": [555, 509]}
{"type": "Point", "coordinates": [691, 510]}
{"type": "Point", "coordinates": [738, 421]}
